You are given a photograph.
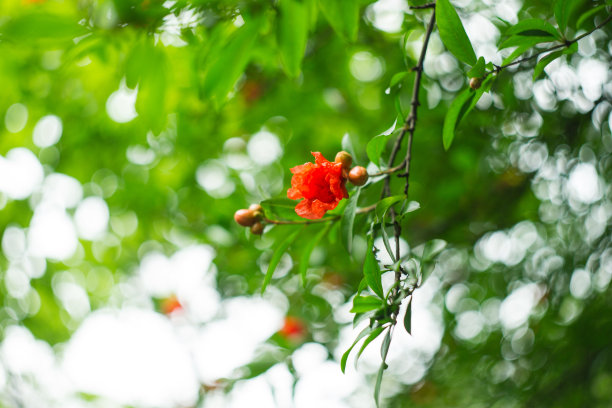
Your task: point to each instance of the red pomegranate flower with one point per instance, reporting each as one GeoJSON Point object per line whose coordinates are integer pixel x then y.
{"type": "Point", "coordinates": [321, 185]}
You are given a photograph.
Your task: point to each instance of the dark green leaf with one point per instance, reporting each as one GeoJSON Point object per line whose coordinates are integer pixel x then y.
{"type": "Point", "coordinates": [543, 62]}
{"type": "Point", "coordinates": [348, 220]}
{"type": "Point", "coordinates": [379, 378]}
{"type": "Point", "coordinates": [478, 69]}
{"type": "Point", "coordinates": [452, 32]}
{"type": "Point", "coordinates": [386, 242]}
{"type": "Point", "coordinates": [383, 205]}
{"type": "Point", "coordinates": [516, 53]}
{"type": "Point", "coordinates": [526, 41]}
{"type": "Point", "coordinates": [276, 256]}
{"type": "Point", "coordinates": [588, 16]}
{"type": "Point", "coordinates": [384, 347]}
{"type": "Point", "coordinates": [533, 26]}
{"type": "Point", "coordinates": [293, 25]}
{"type": "Point", "coordinates": [377, 145]}
{"type": "Point", "coordinates": [432, 249]}
{"type": "Point", "coordinates": [343, 16]}
{"type": "Point", "coordinates": [362, 304]}
{"type": "Point", "coordinates": [371, 270]}
{"type": "Point", "coordinates": [453, 116]}
{"type": "Point", "coordinates": [310, 245]}
{"type": "Point", "coordinates": [408, 316]}
{"type": "Point", "coordinates": [361, 335]}
{"type": "Point", "coordinates": [37, 27]}
{"type": "Point", "coordinates": [227, 63]}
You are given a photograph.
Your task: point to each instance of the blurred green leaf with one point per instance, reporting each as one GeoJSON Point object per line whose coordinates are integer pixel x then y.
{"type": "Point", "coordinates": [293, 26]}
{"type": "Point", "coordinates": [533, 27]}
{"type": "Point", "coordinates": [348, 220]}
{"type": "Point", "coordinates": [543, 62]}
{"type": "Point", "coordinates": [453, 116]}
{"type": "Point", "coordinates": [376, 145]}
{"type": "Point", "coordinates": [344, 358]}
{"type": "Point", "coordinates": [526, 41]}
{"type": "Point", "coordinates": [373, 335]}
{"type": "Point", "coordinates": [282, 245]}
{"type": "Point", "coordinates": [452, 32]}
{"type": "Point", "coordinates": [588, 16]}
{"type": "Point", "coordinates": [343, 16]}
{"type": "Point", "coordinates": [310, 245]}
{"type": "Point", "coordinates": [363, 304]}
{"type": "Point", "coordinates": [279, 209]}
{"type": "Point", "coordinates": [478, 69]}
{"type": "Point", "coordinates": [37, 27]}
{"type": "Point", "coordinates": [408, 316]}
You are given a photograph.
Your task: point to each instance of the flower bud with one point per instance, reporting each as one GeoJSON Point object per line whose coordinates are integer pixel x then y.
{"type": "Point", "coordinates": [358, 175]}
{"type": "Point", "coordinates": [475, 83]}
{"type": "Point", "coordinates": [255, 207]}
{"type": "Point", "coordinates": [345, 158]}
{"type": "Point", "coordinates": [245, 217]}
{"type": "Point", "coordinates": [257, 228]}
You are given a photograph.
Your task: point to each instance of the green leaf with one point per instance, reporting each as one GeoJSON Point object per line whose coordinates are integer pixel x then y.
{"type": "Point", "coordinates": [362, 304]}
{"type": "Point", "coordinates": [386, 242]}
{"type": "Point", "coordinates": [347, 146]}
{"type": "Point", "coordinates": [516, 53]}
{"type": "Point", "coordinates": [371, 270]}
{"type": "Point", "coordinates": [412, 206]}
{"type": "Point", "coordinates": [152, 83]}
{"type": "Point", "coordinates": [408, 316]}
{"type": "Point", "coordinates": [432, 249]}
{"type": "Point", "coordinates": [452, 32]}
{"type": "Point", "coordinates": [533, 26]}
{"type": "Point", "coordinates": [310, 245]}
{"type": "Point", "coordinates": [543, 62]}
{"type": "Point", "coordinates": [276, 256]}
{"type": "Point", "coordinates": [379, 378]}
{"type": "Point", "coordinates": [227, 63]}
{"type": "Point", "coordinates": [397, 78]}
{"type": "Point", "coordinates": [343, 16]}
{"type": "Point", "coordinates": [383, 205]}
{"type": "Point", "coordinates": [38, 27]}
{"type": "Point", "coordinates": [453, 116]}
{"type": "Point", "coordinates": [344, 358]}
{"type": "Point", "coordinates": [279, 209]}
{"type": "Point", "coordinates": [293, 25]}
{"type": "Point", "coordinates": [584, 18]}
{"type": "Point", "coordinates": [526, 41]}
{"type": "Point", "coordinates": [384, 347]}
{"type": "Point", "coordinates": [377, 145]}
{"type": "Point", "coordinates": [375, 333]}
{"type": "Point", "coordinates": [348, 220]}
{"type": "Point", "coordinates": [478, 69]}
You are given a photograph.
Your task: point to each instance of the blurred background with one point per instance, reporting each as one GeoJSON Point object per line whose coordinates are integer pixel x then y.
{"type": "Point", "coordinates": [131, 130]}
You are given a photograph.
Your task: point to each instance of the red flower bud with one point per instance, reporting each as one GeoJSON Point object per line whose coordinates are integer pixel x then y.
{"type": "Point", "coordinates": [345, 158]}
{"type": "Point", "coordinates": [320, 184]}
{"type": "Point", "coordinates": [257, 228]}
{"type": "Point", "coordinates": [245, 217]}
{"type": "Point", "coordinates": [358, 175]}
{"type": "Point", "coordinates": [170, 305]}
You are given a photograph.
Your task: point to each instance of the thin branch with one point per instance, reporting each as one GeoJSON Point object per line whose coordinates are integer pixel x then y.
{"type": "Point", "coordinates": [423, 6]}
{"type": "Point", "coordinates": [567, 43]}
{"type": "Point", "coordinates": [388, 171]}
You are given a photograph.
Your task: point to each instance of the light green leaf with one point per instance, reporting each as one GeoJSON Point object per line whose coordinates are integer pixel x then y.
{"type": "Point", "coordinates": [293, 25]}
{"type": "Point", "coordinates": [533, 27]}
{"type": "Point", "coordinates": [432, 249]}
{"type": "Point", "coordinates": [227, 63]}
{"type": "Point", "coordinates": [408, 316]}
{"type": "Point", "coordinates": [397, 78]}
{"type": "Point", "coordinates": [453, 116]}
{"type": "Point", "coordinates": [384, 347]}
{"type": "Point", "coordinates": [379, 378]}
{"type": "Point", "coordinates": [362, 304]}
{"type": "Point", "coordinates": [377, 145]}
{"type": "Point", "coordinates": [348, 220]}
{"type": "Point", "coordinates": [383, 205]}
{"type": "Point", "coordinates": [515, 54]}
{"type": "Point", "coordinates": [371, 270]}
{"type": "Point", "coordinates": [279, 209]}
{"type": "Point", "coordinates": [452, 32]}
{"type": "Point", "coordinates": [343, 16]}
{"type": "Point", "coordinates": [276, 256]}
{"type": "Point", "coordinates": [38, 27]}
{"type": "Point", "coordinates": [585, 17]}
{"type": "Point", "coordinates": [310, 245]}
{"type": "Point", "coordinates": [152, 82]}
{"type": "Point", "coordinates": [478, 69]}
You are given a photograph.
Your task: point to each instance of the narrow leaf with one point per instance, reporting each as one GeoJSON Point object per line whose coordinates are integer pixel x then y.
{"type": "Point", "coordinates": [543, 62]}
{"type": "Point", "coordinates": [293, 25]}
{"type": "Point", "coordinates": [397, 78]}
{"type": "Point", "coordinates": [375, 333]}
{"type": "Point", "coordinates": [348, 221]}
{"type": "Point", "coordinates": [276, 256]}
{"type": "Point", "coordinates": [379, 378]}
{"type": "Point", "coordinates": [377, 145]}
{"type": "Point", "coordinates": [384, 347]}
{"type": "Point", "coordinates": [343, 16]}
{"type": "Point", "coordinates": [383, 205]}
{"type": "Point", "coordinates": [584, 18]}
{"type": "Point", "coordinates": [452, 32]}
{"type": "Point", "coordinates": [371, 270]}
{"type": "Point", "coordinates": [38, 27]}
{"type": "Point", "coordinates": [310, 245]}
{"type": "Point", "coordinates": [280, 209]}
{"type": "Point", "coordinates": [385, 236]}
{"type": "Point", "coordinates": [515, 54]}
{"type": "Point", "coordinates": [526, 40]}
{"type": "Point", "coordinates": [432, 249]}
{"type": "Point", "coordinates": [344, 358]}
{"type": "Point", "coordinates": [531, 26]}
{"type": "Point", "coordinates": [408, 316]}
{"type": "Point", "coordinates": [453, 116]}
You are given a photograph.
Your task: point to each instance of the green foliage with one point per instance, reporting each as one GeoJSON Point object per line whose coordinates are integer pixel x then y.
{"type": "Point", "coordinates": [453, 34]}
